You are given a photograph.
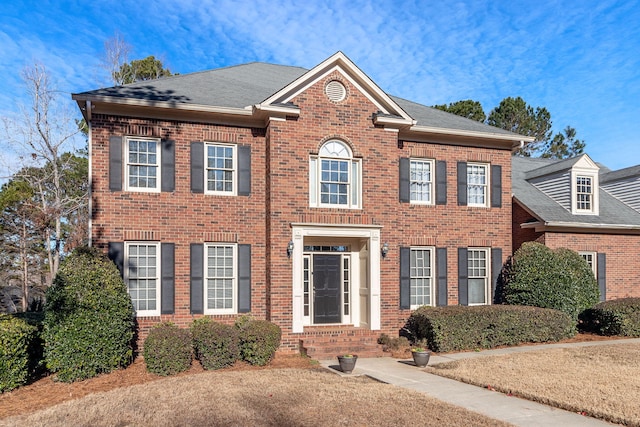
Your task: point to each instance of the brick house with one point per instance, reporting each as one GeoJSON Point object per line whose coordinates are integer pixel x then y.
{"type": "Point", "coordinates": [580, 205]}
{"type": "Point", "coordinates": [310, 198]}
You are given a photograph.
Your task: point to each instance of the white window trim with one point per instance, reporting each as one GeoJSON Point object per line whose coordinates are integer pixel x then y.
{"type": "Point", "coordinates": [354, 188]}
{"type": "Point", "coordinates": [595, 199]}
{"type": "Point", "coordinates": [594, 260]}
{"type": "Point", "coordinates": [487, 277]}
{"type": "Point", "coordinates": [234, 192]}
{"type": "Point", "coordinates": [127, 187]}
{"type": "Point", "coordinates": [432, 165]}
{"type": "Point", "coordinates": [432, 293]}
{"type": "Point", "coordinates": [487, 185]}
{"type": "Point", "coordinates": [234, 300]}
{"type": "Point", "coordinates": [145, 313]}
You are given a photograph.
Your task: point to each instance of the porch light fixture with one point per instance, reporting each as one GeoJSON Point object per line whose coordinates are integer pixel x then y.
{"type": "Point", "coordinates": [289, 248]}
{"type": "Point", "coordinates": [385, 250]}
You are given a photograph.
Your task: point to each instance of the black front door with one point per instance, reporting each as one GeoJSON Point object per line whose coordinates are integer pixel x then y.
{"type": "Point", "coordinates": [326, 288]}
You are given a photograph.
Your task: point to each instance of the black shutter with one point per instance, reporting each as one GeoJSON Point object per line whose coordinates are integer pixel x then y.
{"type": "Point", "coordinates": [197, 167]}
{"type": "Point", "coordinates": [115, 163]}
{"type": "Point", "coordinates": [197, 280]}
{"type": "Point", "coordinates": [168, 168]}
{"type": "Point", "coordinates": [441, 270]}
{"type": "Point", "coordinates": [244, 170]}
{"type": "Point", "coordinates": [463, 277]}
{"type": "Point", "coordinates": [602, 275]}
{"type": "Point", "coordinates": [244, 278]}
{"type": "Point", "coordinates": [116, 254]}
{"type": "Point", "coordinates": [441, 182]}
{"type": "Point", "coordinates": [496, 268]}
{"type": "Point", "coordinates": [462, 183]}
{"type": "Point", "coordinates": [167, 267]}
{"type": "Point", "coordinates": [496, 186]}
{"type": "Point", "coordinates": [405, 278]}
{"type": "Point", "coordinates": [405, 196]}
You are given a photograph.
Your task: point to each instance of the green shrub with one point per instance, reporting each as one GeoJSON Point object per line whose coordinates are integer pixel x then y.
{"type": "Point", "coordinates": [559, 279]}
{"type": "Point", "coordinates": [259, 340]}
{"type": "Point", "coordinates": [18, 350]}
{"type": "Point", "coordinates": [615, 317]}
{"type": "Point", "coordinates": [89, 318]}
{"type": "Point", "coordinates": [167, 349]}
{"type": "Point", "coordinates": [456, 328]}
{"type": "Point", "coordinates": [216, 345]}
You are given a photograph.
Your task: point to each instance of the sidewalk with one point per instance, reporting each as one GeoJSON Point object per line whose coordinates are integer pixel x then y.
{"type": "Point", "coordinates": [520, 412]}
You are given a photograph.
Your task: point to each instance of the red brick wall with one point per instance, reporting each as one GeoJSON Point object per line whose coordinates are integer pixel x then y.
{"type": "Point", "coordinates": [623, 262]}
{"type": "Point", "coordinates": [521, 235]}
{"type": "Point", "coordinates": [181, 217]}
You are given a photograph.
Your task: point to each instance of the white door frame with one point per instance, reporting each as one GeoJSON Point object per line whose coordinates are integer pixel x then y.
{"type": "Point", "coordinates": [368, 232]}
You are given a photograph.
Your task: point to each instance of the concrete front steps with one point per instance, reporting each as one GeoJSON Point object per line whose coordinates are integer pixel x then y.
{"type": "Point", "coordinates": [322, 343]}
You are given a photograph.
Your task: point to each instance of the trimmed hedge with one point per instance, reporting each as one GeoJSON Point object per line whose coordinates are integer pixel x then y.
{"type": "Point", "coordinates": [89, 319]}
{"type": "Point", "coordinates": [456, 328]}
{"type": "Point", "coordinates": [540, 277]}
{"type": "Point", "coordinates": [167, 349]}
{"type": "Point", "coordinates": [259, 340]}
{"type": "Point", "coordinates": [615, 317]}
{"type": "Point", "coordinates": [19, 344]}
{"type": "Point", "coordinates": [215, 345]}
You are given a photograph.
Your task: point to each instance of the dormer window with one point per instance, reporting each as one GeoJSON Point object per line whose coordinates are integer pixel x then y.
{"type": "Point", "coordinates": [584, 193]}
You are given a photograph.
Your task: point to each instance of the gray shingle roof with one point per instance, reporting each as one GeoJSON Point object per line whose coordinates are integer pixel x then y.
{"type": "Point", "coordinates": [242, 86]}
{"type": "Point", "coordinates": [633, 171]}
{"type": "Point", "coordinates": [612, 211]}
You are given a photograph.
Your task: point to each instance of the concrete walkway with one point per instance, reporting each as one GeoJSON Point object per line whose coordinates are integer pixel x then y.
{"type": "Point", "coordinates": [520, 412]}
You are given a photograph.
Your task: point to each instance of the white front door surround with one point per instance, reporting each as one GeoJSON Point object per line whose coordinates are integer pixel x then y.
{"type": "Point", "coordinates": [366, 280]}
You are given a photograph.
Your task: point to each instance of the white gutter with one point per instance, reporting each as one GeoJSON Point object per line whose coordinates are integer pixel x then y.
{"type": "Point", "coordinates": [475, 134]}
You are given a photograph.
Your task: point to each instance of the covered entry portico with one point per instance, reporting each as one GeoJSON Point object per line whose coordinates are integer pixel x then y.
{"type": "Point", "coordinates": [336, 275]}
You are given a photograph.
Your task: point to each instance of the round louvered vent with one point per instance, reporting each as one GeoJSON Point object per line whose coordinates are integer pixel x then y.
{"type": "Point", "coordinates": [335, 91]}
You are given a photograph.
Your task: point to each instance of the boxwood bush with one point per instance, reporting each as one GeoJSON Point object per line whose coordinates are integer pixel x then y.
{"type": "Point", "coordinates": [215, 345]}
{"type": "Point", "coordinates": [89, 319]}
{"type": "Point", "coordinates": [456, 328]}
{"type": "Point", "coordinates": [167, 349]}
{"type": "Point", "coordinates": [615, 317]}
{"type": "Point", "coordinates": [19, 344]}
{"type": "Point", "coordinates": [259, 340]}
{"type": "Point", "coordinates": [540, 277]}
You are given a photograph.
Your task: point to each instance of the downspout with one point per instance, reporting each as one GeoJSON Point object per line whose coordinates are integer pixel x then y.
{"type": "Point", "coordinates": [90, 207]}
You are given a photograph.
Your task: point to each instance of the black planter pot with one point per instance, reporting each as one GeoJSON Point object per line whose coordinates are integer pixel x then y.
{"type": "Point", "coordinates": [420, 358]}
{"type": "Point", "coordinates": [347, 364]}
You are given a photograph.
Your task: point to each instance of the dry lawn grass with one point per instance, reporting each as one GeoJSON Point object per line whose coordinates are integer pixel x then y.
{"type": "Point", "coordinates": [600, 381]}
{"type": "Point", "coordinates": [274, 397]}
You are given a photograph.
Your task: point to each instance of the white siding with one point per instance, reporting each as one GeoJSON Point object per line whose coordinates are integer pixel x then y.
{"type": "Point", "coordinates": [626, 190]}
{"type": "Point", "coordinates": [556, 186]}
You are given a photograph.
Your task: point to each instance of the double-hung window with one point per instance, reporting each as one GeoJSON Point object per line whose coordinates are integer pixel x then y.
{"type": "Point", "coordinates": [584, 193]}
{"type": "Point", "coordinates": [421, 181]}
{"type": "Point", "coordinates": [422, 277]}
{"type": "Point", "coordinates": [142, 276]}
{"type": "Point", "coordinates": [142, 172]}
{"type": "Point", "coordinates": [334, 177]}
{"type": "Point", "coordinates": [221, 167]}
{"type": "Point", "coordinates": [590, 258]}
{"type": "Point", "coordinates": [478, 276]}
{"type": "Point", "coordinates": [477, 184]}
{"type": "Point", "coordinates": [221, 278]}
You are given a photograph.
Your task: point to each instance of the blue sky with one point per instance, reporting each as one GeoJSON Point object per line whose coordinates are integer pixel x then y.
{"type": "Point", "coordinates": [579, 59]}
